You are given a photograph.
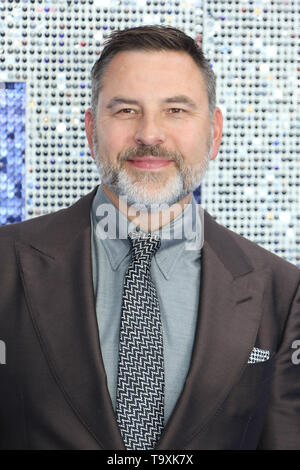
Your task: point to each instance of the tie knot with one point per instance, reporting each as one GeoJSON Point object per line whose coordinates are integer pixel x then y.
{"type": "Point", "coordinates": [143, 245]}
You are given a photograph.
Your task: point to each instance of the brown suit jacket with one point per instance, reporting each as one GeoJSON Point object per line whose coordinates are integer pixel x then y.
{"type": "Point", "coordinates": [53, 390]}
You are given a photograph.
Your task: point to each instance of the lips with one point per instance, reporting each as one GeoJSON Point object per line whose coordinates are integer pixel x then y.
{"type": "Point", "coordinates": [149, 162]}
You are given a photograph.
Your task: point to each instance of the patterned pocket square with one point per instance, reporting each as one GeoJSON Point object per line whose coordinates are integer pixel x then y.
{"type": "Point", "coordinates": [258, 355]}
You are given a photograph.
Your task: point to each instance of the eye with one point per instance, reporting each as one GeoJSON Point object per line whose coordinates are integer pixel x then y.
{"type": "Point", "coordinates": [176, 110]}
{"type": "Point", "coordinates": [126, 111]}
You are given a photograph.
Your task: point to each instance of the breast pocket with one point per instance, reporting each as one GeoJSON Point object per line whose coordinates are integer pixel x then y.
{"type": "Point", "coordinates": [258, 372]}
{"type": "Point", "coordinates": [249, 392]}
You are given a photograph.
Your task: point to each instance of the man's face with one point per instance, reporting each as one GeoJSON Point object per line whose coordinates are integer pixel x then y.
{"type": "Point", "coordinates": [153, 137]}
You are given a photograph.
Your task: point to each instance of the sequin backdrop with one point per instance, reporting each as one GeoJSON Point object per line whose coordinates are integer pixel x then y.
{"type": "Point", "coordinates": [50, 46]}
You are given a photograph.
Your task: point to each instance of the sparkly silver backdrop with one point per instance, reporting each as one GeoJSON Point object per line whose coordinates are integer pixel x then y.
{"type": "Point", "coordinates": [253, 185]}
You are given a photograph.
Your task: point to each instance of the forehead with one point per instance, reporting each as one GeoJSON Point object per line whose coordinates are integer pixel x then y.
{"type": "Point", "coordinates": [153, 72]}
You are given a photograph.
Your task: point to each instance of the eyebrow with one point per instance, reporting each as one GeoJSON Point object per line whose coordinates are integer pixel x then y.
{"type": "Point", "coordinates": [180, 99]}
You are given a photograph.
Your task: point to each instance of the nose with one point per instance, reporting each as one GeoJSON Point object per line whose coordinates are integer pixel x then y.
{"type": "Point", "coordinates": [149, 131]}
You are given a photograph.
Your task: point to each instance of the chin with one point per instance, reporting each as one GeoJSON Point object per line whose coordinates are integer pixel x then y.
{"type": "Point", "coordinates": [150, 190]}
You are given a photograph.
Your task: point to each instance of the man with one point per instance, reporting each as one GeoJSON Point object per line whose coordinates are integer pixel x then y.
{"type": "Point", "coordinates": [124, 331]}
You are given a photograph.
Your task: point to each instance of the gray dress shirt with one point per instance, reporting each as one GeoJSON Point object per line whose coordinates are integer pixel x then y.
{"type": "Point", "coordinates": [175, 270]}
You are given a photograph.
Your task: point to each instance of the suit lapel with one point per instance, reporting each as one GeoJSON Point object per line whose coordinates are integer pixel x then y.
{"type": "Point", "coordinates": [230, 308]}
{"type": "Point", "coordinates": [57, 279]}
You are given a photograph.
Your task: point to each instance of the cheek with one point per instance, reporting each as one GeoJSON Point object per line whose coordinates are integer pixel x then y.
{"type": "Point", "coordinates": [191, 144]}
{"type": "Point", "coordinates": [108, 142]}
{"type": "Point", "coordinates": [113, 139]}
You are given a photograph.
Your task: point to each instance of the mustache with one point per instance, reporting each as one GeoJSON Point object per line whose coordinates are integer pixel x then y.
{"type": "Point", "coordinates": [146, 150]}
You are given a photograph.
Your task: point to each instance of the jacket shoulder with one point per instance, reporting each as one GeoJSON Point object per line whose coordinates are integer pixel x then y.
{"type": "Point", "coordinates": [256, 255]}
{"type": "Point", "coordinates": [22, 230]}
{"type": "Point", "coordinates": [65, 220]}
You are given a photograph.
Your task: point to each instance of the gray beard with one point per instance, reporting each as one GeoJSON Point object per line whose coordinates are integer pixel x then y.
{"type": "Point", "coordinates": [134, 189]}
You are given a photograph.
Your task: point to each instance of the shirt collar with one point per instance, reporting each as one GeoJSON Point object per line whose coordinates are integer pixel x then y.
{"type": "Point", "coordinates": [110, 226]}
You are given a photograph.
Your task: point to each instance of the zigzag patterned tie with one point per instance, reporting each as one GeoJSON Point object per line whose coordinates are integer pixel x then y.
{"type": "Point", "coordinates": [140, 387]}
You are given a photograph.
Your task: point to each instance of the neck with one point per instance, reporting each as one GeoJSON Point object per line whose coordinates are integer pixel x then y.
{"type": "Point", "coordinates": [147, 221]}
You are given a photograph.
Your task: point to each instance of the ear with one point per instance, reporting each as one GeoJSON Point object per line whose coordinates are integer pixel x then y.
{"type": "Point", "coordinates": [89, 129]}
{"type": "Point", "coordinates": [217, 124]}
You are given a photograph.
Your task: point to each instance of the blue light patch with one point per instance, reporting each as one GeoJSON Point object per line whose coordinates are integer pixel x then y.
{"type": "Point", "coordinates": [12, 152]}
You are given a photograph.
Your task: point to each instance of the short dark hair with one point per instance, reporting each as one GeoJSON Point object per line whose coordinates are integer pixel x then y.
{"type": "Point", "coordinates": [151, 38]}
